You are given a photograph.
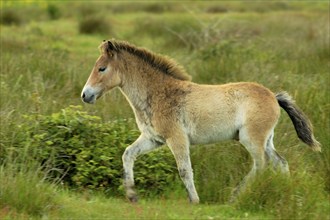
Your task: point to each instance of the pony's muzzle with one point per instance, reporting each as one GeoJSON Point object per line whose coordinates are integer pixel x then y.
{"type": "Point", "coordinates": [88, 96]}
{"type": "Point", "coordinates": [88, 99]}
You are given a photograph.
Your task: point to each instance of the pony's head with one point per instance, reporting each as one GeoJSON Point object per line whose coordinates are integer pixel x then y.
{"type": "Point", "coordinates": [105, 73]}
{"type": "Point", "coordinates": [117, 62]}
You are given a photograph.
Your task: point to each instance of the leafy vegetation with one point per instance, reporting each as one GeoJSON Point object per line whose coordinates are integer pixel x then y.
{"type": "Point", "coordinates": [282, 45]}
{"type": "Point", "coordinates": [94, 25]}
{"type": "Point", "coordinates": [10, 17]}
{"type": "Point", "coordinates": [86, 154]}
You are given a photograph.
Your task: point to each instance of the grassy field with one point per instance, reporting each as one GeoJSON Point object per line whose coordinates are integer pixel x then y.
{"type": "Point", "coordinates": [48, 50]}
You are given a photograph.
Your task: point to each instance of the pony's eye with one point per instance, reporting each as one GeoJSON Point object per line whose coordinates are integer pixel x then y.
{"type": "Point", "coordinates": [101, 69]}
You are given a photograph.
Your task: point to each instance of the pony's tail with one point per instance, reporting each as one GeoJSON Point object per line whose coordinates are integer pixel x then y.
{"type": "Point", "coordinates": [301, 123]}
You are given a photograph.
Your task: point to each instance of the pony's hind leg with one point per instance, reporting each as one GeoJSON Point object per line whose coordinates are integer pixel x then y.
{"type": "Point", "coordinates": [256, 148]}
{"type": "Point", "coordinates": [272, 157]}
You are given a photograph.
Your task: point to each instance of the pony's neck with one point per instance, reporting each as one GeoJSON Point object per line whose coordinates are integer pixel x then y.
{"type": "Point", "coordinates": [136, 96]}
{"type": "Point", "coordinates": [139, 86]}
{"type": "Point", "coordinates": [141, 82]}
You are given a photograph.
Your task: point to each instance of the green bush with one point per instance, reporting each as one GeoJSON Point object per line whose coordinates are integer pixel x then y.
{"type": "Point", "coordinates": [86, 154]}
{"type": "Point", "coordinates": [10, 17]}
{"type": "Point", "coordinates": [154, 7]}
{"type": "Point", "coordinates": [94, 25]}
{"type": "Point", "coordinates": [53, 12]}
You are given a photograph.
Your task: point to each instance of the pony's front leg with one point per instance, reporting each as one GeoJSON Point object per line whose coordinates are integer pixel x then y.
{"type": "Point", "coordinates": [140, 146]}
{"type": "Point", "coordinates": [179, 146]}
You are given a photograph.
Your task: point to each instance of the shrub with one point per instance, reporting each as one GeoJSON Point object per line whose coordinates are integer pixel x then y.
{"type": "Point", "coordinates": [217, 9]}
{"type": "Point", "coordinates": [53, 12]}
{"type": "Point", "coordinates": [155, 7]}
{"type": "Point", "coordinates": [10, 17]}
{"type": "Point", "coordinates": [94, 25]}
{"type": "Point", "coordinates": [86, 153]}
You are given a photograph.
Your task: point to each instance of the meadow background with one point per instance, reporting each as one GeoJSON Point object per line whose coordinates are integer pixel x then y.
{"type": "Point", "coordinates": [60, 158]}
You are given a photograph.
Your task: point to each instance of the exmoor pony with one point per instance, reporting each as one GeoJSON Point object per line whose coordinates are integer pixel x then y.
{"type": "Point", "coordinates": [171, 110]}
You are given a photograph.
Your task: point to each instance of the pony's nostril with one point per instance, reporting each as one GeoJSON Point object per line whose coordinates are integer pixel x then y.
{"type": "Point", "coordinates": [83, 95]}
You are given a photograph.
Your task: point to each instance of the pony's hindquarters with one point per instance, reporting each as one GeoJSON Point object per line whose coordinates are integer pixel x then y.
{"type": "Point", "coordinates": [247, 112]}
{"type": "Point", "coordinates": [261, 115]}
{"type": "Point", "coordinates": [217, 113]}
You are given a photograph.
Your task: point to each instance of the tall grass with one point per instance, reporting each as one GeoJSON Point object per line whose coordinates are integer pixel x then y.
{"type": "Point", "coordinates": [218, 169]}
{"type": "Point", "coordinates": [24, 187]}
{"type": "Point", "coordinates": [301, 196]}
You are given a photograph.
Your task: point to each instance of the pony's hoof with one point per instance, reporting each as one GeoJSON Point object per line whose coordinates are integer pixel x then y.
{"type": "Point", "coordinates": [133, 199]}
{"type": "Point", "coordinates": [131, 195]}
{"type": "Point", "coordinates": [232, 200]}
{"type": "Point", "coordinates": [194, 201]}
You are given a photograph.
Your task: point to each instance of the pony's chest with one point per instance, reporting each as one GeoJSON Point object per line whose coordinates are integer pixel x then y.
{"type": "Point", "coordinates": [143, 120]}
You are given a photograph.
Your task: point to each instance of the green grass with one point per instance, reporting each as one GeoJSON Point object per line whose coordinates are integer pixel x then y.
{"type": "Point", "coordinates": [100, 207]}
{"type": "Point", "coordinates": [89, 206]}
{"type": "Point", "coordinates": [282, 45]}
{"type": "Point", "coordinates": [24, 186]}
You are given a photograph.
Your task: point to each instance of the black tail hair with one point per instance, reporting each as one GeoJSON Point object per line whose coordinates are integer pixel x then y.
{"type": "Point", "coordinates": [300, 121]}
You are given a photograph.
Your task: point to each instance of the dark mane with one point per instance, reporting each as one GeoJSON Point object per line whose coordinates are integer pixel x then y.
{"type": "Point", "coordinates": [163, 63]}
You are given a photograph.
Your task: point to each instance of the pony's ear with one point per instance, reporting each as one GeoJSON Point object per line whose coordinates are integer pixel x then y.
{"type": "Point", "coordinates": [108, 47]}
{"type": "Point", "coordinates": [111, 47]}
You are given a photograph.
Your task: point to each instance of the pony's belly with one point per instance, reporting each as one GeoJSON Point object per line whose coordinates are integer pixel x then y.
{"type": "Point", "coordinates": [212, 136]}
